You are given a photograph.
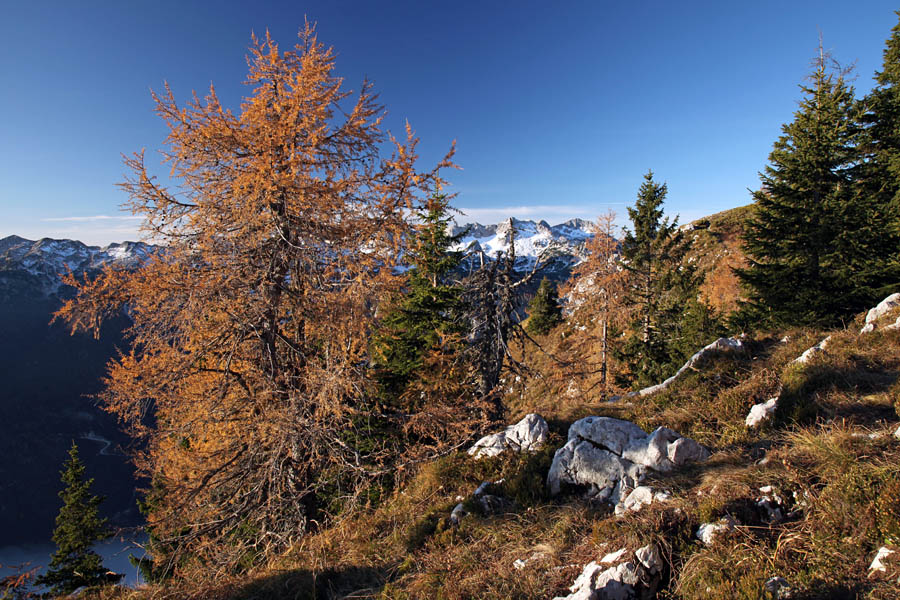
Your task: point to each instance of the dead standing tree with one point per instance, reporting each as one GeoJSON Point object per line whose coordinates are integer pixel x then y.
{"type": "Point", "coordinates": [493, 296]}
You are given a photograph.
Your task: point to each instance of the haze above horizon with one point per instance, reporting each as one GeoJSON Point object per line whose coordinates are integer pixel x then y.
{"type": "Point", "coordinates": [557, 111]}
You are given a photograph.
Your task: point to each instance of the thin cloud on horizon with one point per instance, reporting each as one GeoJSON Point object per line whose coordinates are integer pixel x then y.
{"type": "Point", "coordinates": [92, 218]}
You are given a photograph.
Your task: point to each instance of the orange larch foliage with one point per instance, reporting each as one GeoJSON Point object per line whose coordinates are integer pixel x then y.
{"type": "Point", "coordinates": [248, 343]}
{"type": "Point", "coordinates": [595, 299]}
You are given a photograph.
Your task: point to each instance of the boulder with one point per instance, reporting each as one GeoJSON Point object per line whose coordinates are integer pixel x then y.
{"type": "Point", "coordinates": [878, 564]}
{"type": "Point", "coordinates": [611, 457]}
{"type": "Point", "coordinates": [636, 577]}
{"type": "Point", "coordinates": [529, 434]}
{"type": "Point", "coordinates": [884, 307]}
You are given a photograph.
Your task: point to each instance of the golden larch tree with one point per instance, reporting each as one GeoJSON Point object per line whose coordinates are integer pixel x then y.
{"type": "Point", "coordinates": [246, 374]}
{"type": "Point", "coordinates": [595, 299]}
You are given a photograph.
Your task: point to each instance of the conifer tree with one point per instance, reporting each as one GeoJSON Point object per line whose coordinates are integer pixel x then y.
{"type": "Point", "coordinates": [879, 176]}
{"type": "Point", "coordinates": [78, 528]}
{"type": "Point", "coordinates": [544, 311]}
{"type": "Point", "coordinates": [668, 320]}
{"type": "Point", "coordinates": [809, 241]}
{"type": "Point", "coordinates": [428, 309]}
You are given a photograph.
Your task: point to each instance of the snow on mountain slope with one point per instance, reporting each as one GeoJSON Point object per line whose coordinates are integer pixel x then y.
{"type": "Point", "coordinates": [531, 240]}
{"type": "Point", "coordinates": [34, 267]}
{"type": "Point", "coordinates": [40, 263]}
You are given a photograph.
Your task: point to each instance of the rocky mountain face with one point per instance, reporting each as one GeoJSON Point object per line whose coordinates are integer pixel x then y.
{"type": "Point", "coordinates": [562, 246]}
{"type": "Point", "coordinates": [29, 268]}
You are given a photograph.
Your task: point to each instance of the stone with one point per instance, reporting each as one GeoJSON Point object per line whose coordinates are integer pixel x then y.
{"type": "Point", "coordinates": [611, 457]}
{"type": "Point", "coordinates": [626, 580]}
{"type": "Point", "coordinates": [529, 434]}
{"type": "Point", "coordinates": [613, 557]}
{"type": "Point", "coordinates": [812, 352]}
{"type": "Point", "coordinates": [759, 413]}
{"type": "Point", "coordinates": [882, 309]}
{"type": "Point", "coordinates": [897, 433]}
{"type": "Point", "coordinates": [612, 434]}
{"type": "Point", "coordinates": [650, 558]}
{"type": "Point", "coordinates": [640, 497]}
{"type": "Point", "coordinates": [878, 563]}
{"type": "Point", "coordinates": [685, 450]}
{"type": "Point", "coordinates": [707, 532]}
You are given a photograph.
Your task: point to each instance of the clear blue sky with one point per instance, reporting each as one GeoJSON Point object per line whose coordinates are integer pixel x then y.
{"type": "Point", "coordinates": [558, 108]}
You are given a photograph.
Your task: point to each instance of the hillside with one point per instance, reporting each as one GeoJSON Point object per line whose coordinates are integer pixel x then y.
{"type": "Point", "coordinates": [804, 502]}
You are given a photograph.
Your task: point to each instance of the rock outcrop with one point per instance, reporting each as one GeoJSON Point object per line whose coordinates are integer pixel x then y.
{"type": "Point", "coordinates": [529, 434]}
{"type": "Point", "coordinates": [720, 345]}
{"type": "Point", "coordinates": [631, 577]}
{"type": "Point", "coordinates": [611, 457]}
{"type": "Point", "coordinates": [883, 308]}
{"type": "Point", "coordinates": [809, 353]}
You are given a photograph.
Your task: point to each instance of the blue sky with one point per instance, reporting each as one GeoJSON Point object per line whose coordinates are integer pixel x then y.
{"type": "Point", "coordinates": [558, 108]}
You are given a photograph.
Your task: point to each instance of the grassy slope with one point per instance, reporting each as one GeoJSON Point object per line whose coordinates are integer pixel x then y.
{"type": "Point", "coordinates": [844, 485]}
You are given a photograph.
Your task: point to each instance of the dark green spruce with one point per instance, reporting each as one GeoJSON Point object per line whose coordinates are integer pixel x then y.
{"type": "Point", "coordinates": [879, 174]}
{"type": "Point", "coordinates": [544, 312]}
{"type": "Point", "coordinates": [669, 322]}
{"type": "Point", "coordinates": [820, 239]}
{"type": "Point", "coordinates": [429, 308]}
{"type": "Point", "coordinates": [78, 528]}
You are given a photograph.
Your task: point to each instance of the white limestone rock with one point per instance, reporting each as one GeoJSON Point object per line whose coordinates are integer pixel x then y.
{"type": "Point", "coordinates": [626, 580]}
{"type": "Point", "coordinates": [897, 433]}
{"type": "Point", "coordinates": [527, 435]}
{"type": "Point", "coordinates": [650, 558]}
{"type": "Point", "coordinates": [611, 457]}
{"type": "Point", "coordinates": [878, 564]}
{"type": "Point", "coordinates": [882, 309]}
{"type": "Point", "coordinates": [707, 532]}
{"type": "Point", "coordinates": [812, 352]}
{"type": "Point", "coordinates": [760, 413]}
{"type": "Point", "coordinates": [640, 497]}
{"type": "Point", "coordinates": [580, 462]}
{"type": "Point", "coordinates": [613, 557]}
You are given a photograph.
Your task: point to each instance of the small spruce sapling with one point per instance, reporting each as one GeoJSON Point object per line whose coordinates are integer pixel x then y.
{"type": "Point", "coordinates": [78, 528]}
{"type": "Point", "coordinates": [544, 311]}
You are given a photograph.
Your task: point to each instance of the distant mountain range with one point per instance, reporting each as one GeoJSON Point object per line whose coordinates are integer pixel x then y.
{"type": "Point", "coordinates": [30, 267]}
{"type": "Point", "coordinates": [565, 242]}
